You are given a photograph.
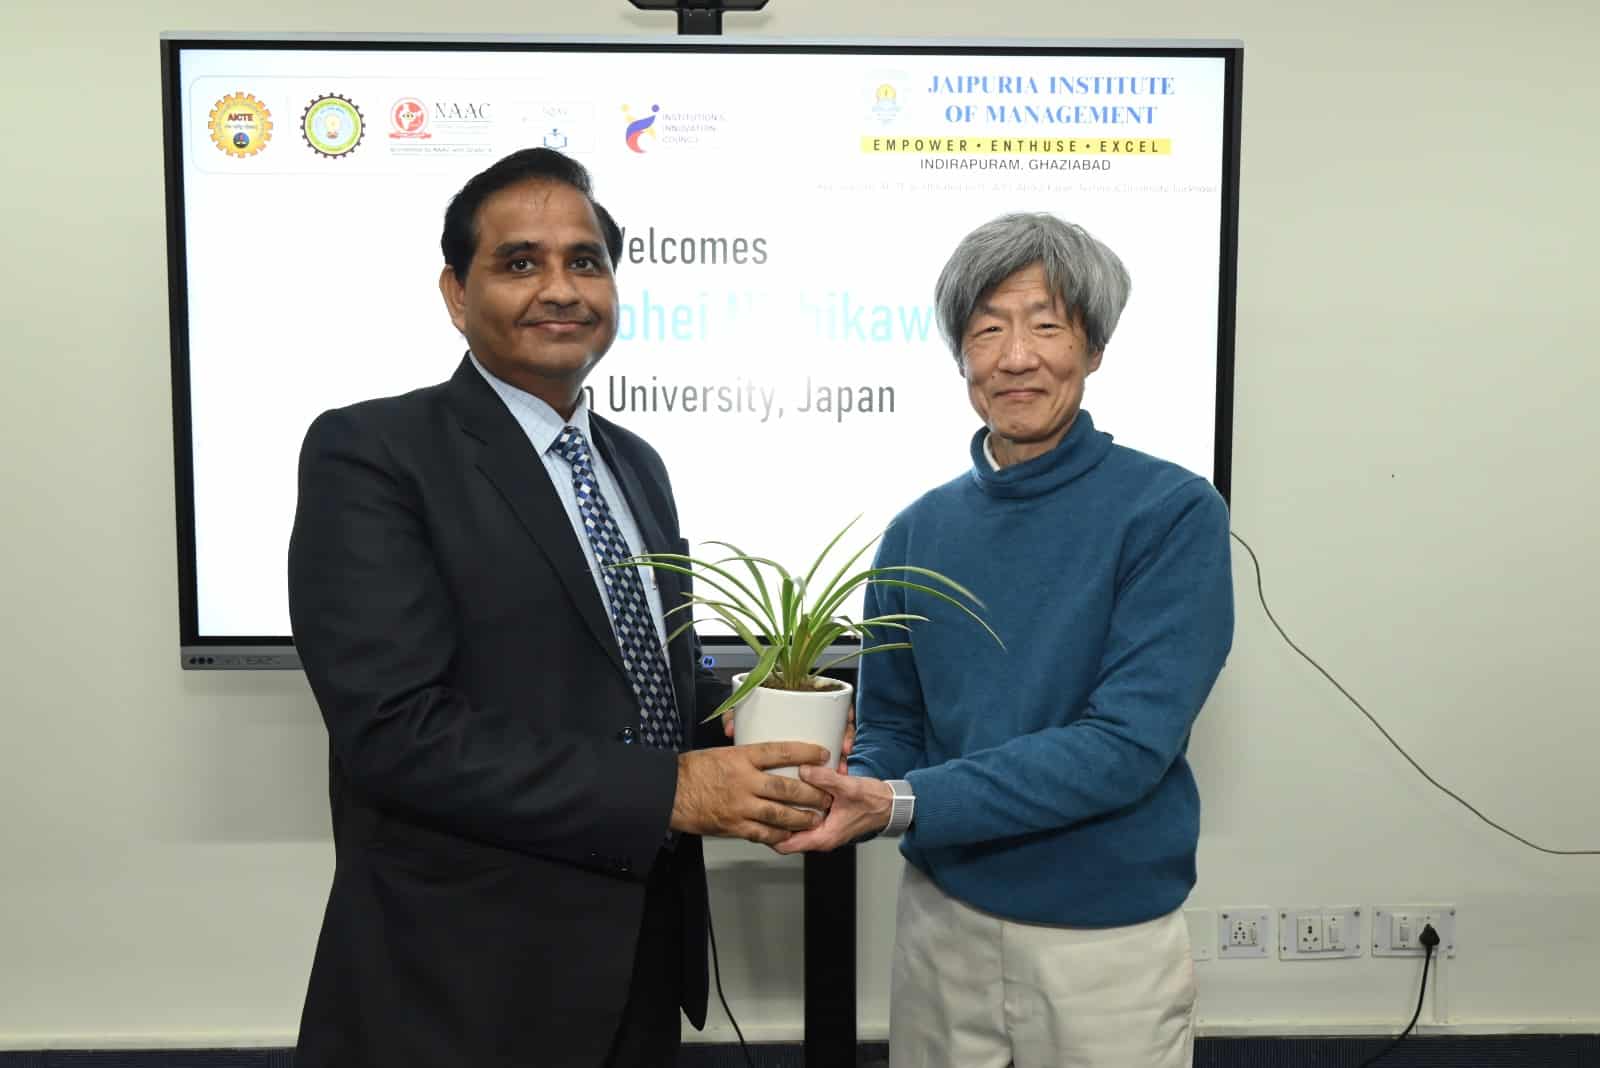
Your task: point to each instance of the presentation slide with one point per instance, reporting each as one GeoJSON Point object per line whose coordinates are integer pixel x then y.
{"type": "Point", "coordinates": [786, 213]}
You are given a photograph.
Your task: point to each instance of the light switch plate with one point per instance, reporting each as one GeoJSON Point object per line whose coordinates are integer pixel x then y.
{"type": "Point", "coordinates": [1294, 942]}
{"type": "Point", "coordinates": [1385, 929]}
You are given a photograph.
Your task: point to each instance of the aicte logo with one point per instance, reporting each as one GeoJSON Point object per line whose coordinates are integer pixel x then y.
{"type": "Point", "coordinates": [408, 119]}
{"type": "Point", "coordinates": [240, 125]}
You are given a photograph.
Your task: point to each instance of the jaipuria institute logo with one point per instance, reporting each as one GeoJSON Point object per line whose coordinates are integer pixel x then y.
{"type": "Point", "coordinates": [885, 103]}
{"type": "Point", "coordinates": [240, 125]}
{"type": "Point", "coordinates": [332, 125]}
{"type": "Point", "coordinates": [638, 129]}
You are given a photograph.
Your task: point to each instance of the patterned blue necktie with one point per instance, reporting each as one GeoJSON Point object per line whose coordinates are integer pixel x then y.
{"type": "Point", "coordinates": [630, 612]}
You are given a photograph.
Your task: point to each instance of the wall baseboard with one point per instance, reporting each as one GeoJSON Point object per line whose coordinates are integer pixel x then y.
{"type": "Point", "coordinates": [1457, 1051]}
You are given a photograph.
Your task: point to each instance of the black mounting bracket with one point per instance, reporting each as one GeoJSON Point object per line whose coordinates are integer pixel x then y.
{"type": "Point", "coordinates": [699, 17]}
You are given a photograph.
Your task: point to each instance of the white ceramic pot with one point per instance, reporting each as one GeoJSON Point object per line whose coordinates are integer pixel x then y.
{"type": "Point", "coordinates": [768, 715]}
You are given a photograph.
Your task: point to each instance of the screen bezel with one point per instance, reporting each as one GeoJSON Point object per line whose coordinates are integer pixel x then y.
{"type": "Point", "coordinates": [272, 651]}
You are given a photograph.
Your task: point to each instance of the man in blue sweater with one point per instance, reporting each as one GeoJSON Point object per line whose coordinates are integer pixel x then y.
{"type": "Point", "coordinates": [1048, 815]}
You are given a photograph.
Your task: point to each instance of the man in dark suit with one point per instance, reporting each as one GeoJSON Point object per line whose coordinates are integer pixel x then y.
{"type": "Point", "coordinates": [516, 801]}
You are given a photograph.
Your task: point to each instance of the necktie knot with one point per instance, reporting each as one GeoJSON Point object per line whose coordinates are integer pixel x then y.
{"type": "Point", "coordinates": [572, 446]}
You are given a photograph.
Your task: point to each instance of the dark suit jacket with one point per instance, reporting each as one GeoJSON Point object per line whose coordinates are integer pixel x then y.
{"type": "Point", "coordinates": [494, 815]}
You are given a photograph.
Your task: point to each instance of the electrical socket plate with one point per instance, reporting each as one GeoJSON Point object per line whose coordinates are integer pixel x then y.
{"type": "Point", "coordinates": [1243, 932]}
{"type": "Point", "coordinates": [1395, 929]}
{"type": "Point", "coordinates": [1318, 932]}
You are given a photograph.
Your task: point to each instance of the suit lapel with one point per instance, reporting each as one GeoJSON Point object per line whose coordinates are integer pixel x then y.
{"type": "Point", "coordinates": [509, 462]}
{"type": "Point", "coordinates": [647, 502]}
{"type": "Point", "coordinates": [641, 501]}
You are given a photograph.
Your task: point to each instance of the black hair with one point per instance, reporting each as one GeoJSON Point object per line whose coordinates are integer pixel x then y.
{"type": "Point", "coordinates": [460, 237]}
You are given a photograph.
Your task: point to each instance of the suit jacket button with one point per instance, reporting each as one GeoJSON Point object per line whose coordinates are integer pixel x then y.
{"type": "Point", "coordinates": [627, 736]}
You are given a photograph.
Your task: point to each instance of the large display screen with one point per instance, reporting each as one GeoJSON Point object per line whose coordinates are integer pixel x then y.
{"type": "Point", "coordinates": [787, 207]}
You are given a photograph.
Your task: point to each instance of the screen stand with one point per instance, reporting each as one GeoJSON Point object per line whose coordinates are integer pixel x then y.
{"type": "Point", "coordinates": [829, 916]}
{"type": "Point", "coordinates": [830, 878]}
{"type": "Point", "coordinates": [828, 929]}
{"type": "Point", "coordinates": [699, 18]}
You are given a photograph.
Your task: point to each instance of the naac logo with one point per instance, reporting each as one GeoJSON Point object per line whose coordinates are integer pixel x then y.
{"type": "Point", "coordinates": [332, 126]}
{"type": "Point", "coordinates": [408, 118]}
{"type": "Point", "coordinates": [462, 111]}
{"type": "Point", "coordinates": [240, 125]}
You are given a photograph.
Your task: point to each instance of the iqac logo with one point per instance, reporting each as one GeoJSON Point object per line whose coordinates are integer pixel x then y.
{"type": "Point", "coordinates": [637, 128]}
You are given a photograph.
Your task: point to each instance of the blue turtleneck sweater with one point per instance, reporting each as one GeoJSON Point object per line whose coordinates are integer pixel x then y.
{"type": "Point", "coordinates": [1050, 775]}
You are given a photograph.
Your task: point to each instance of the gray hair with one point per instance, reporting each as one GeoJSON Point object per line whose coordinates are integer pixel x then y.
{"type": "Point", "coordinates": [1090, 279]}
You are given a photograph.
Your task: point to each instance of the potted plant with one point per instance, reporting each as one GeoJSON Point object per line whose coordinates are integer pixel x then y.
{"type": "Point", "coordinates": [789, 621]}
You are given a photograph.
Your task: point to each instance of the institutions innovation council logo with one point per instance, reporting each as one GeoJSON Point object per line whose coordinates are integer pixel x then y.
{"type": "Point", "coordinates": [637, 128]}
{"type": "Point", "coordinates": [676, 129]}
{"type": "Point", "coordinates": [240, 125]}
{"type": "Point", "coordinates": [332, 126]}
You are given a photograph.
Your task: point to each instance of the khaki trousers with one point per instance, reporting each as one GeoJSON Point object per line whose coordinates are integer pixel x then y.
{"type": "Point", "coordinates": [970, 990]}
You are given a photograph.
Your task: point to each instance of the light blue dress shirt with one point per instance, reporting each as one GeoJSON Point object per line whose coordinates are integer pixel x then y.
{"type": "Point", "coordinates": [542, 424]}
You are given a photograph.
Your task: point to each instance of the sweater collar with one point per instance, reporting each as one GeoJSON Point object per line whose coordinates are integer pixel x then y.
{"type": "Point", "coordinates": [1078, 451]}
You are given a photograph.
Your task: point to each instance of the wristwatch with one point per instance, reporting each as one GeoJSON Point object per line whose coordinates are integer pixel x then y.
{"type": "Point", "coordinates": [905, 804]}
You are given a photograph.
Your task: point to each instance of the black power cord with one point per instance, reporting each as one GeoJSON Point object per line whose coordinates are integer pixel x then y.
{"type": "Point", "coordinates": [1261, 594]}
{"type": "Point", "coordinates": [716, 970]}
{"type": "Point", "coordinates": [1429, 939]}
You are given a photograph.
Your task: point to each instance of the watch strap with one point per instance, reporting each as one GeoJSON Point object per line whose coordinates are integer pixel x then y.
{"type": "Point", "coordinates": [903, 810]}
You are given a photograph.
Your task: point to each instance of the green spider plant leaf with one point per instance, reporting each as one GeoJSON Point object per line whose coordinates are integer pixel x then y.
{"type": "Point", "coordinates": [757, 676]}
{"type": "Point", "coordinates": [857, 653]}
{"type": "Point", "coordinates": [772, 616]}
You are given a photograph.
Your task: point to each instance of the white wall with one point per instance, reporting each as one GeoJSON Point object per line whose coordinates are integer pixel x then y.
{"type": "Point", "coordinates": [1414, 457]}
